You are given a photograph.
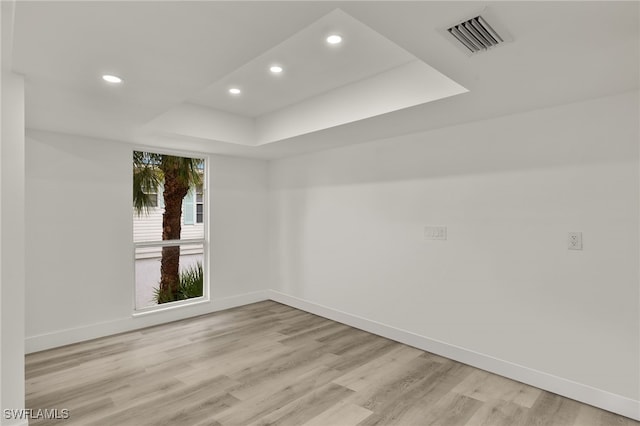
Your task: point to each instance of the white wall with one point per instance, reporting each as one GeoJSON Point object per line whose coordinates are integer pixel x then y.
{"type": "Point", "coordinates": [347, 234]}
{"type": "Point", "coordinates": [12, 247]}
{"type": "Point", "coordinates": [12, 228]}
{"type": "Point", "coordinates": [79, 238]}
{"type": "Point", "coordinates": [239, 217]}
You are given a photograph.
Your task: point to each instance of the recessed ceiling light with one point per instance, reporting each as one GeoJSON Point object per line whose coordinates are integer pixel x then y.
{"type": "Point", "coordinates": [334, 39]}
{"type": "Point", "coordinates": [111, 78]}
{"type": "Point", "coordinates": [234, 91]}
{"type": "Point", "coordinates": [276, 69]}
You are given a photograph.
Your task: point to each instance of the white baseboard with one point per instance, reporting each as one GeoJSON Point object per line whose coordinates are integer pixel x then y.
{"type": "Point", "coordinates": [93, 331]}
{"type": "Point", "coordinates": [570, 389]}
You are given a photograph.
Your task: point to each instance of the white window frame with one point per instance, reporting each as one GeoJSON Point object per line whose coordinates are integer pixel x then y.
{"type": "Point", "coordinates": [206, 291]}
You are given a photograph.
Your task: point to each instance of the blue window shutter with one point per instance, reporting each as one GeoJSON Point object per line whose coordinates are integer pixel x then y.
{"type": "Point", "coordinates": [187, 208]}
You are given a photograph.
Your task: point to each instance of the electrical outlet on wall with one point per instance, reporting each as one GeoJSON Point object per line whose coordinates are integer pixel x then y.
{"type": "Point", "coordinates": [435, 232]}
{"type": "Point", "coordinates": [575, 241]}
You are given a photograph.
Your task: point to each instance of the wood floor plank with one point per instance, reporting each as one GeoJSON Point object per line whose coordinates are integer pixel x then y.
{"type": "Point", "coordinates": [375, 370]}
{"type": "Point", "coordinates": [267, 363]}
{"type": "Point", "coordinates": [402, 402]}
{"type": "Point", "coordinates": [306, 324]}
{"type": "Point", "coordinates": [313, 378]}
{"type": "Point", "coordinates": [451, 410]}
{"type": "Point", "coordinates": [387, 389]}
{"type": "Point", "coordinates": [485, 387]}
{"type": "Point", "coordinates": [499, 413]}
{"type": "Point", "coordinates": [83, 411]}
{"type": "Point", "coordinates": [341, 414]}
{"type": "Point", "coordinates": [77, 391]}
{"type": "Point", "coordinates": [359, 355]}
{"type": "Point", "coordinates": [265, 404]}
{"type": "Point", "coordinates": [553, 410]}
{"type": "Point", "coordinates": [148, 409]}
{"type": "Point", "coordinates": [307, 407]}
{"type": "Point", "coordinates": [591, 416]}
{"type": "Point", "coordinates": [280, 364]}
{"type": "Point", "coordinates": [313, 334]}
{"type": "Point", "coordinates": [193, 412]}
{"type": "Point", "coordinates": [233, 362]}
{"type": "Point", "coordinates": [136, 390]}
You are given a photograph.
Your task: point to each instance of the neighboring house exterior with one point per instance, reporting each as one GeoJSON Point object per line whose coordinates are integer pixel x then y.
{"type": "Point", "coordinates": [148, 226]}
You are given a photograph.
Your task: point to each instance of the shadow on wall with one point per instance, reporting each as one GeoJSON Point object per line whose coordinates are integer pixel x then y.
{"type": "Point", "coordinates": [542, 139]}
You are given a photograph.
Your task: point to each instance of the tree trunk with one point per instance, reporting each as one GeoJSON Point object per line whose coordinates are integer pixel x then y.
{"type": "Point", "coordinates": [174, 192]}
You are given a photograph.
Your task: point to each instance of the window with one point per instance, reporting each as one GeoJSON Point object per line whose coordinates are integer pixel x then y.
{"type": "Point", "coordinates": [153, 197]}
{"type": "Point", "coordinates": [170, 255]}
{"type": "Point", "coordinates": [199, 204]}
{"type": "Point", "coordinates": [193, 206]}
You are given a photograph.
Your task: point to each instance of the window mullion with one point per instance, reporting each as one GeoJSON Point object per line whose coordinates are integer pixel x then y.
{"type": "Point", "coordinates": [165, 243]}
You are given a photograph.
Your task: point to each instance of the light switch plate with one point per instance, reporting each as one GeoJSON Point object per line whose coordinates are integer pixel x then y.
{"type": "Point", "coordinates": [575, 241]}
{"type": "Point", "coordinates": [435, 232]}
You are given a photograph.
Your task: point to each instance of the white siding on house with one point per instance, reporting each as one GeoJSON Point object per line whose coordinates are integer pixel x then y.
{"type": "Point", "coordinates": [148, 227]}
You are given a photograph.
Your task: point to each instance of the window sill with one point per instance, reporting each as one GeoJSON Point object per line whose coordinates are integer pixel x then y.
{"type": "Point", "coordinates": [170, 306]}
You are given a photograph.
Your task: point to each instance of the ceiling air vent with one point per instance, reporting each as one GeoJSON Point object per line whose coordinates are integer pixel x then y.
{"type": "Point", "coordinates": [476, 35]}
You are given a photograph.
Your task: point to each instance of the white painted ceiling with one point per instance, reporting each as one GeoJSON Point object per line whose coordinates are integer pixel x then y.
{"type": "Point", "coordinates": [311, 67]}
{"type": "Point", "coordinates": [178, 59]}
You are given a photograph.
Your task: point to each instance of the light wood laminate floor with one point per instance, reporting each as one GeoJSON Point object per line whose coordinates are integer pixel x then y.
{"type": "Point", "coordinates": [268, 363]}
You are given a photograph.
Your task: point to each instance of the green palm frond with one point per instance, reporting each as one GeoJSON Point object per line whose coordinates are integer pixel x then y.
{"type": "Point", "coordinates": [146, 180]}
{"type": "Point", "coordinates": [189, 169]}
{"type": "Point", "coordinates": [148, 175]}
{"type": "Point", "coordinates": [191, 281]}
{"type": "Point", "coordinates": [191, 285]}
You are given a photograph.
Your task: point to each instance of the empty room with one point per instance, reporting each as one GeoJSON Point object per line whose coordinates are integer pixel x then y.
{"type": "Point", "coordinates": [320, 213]}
